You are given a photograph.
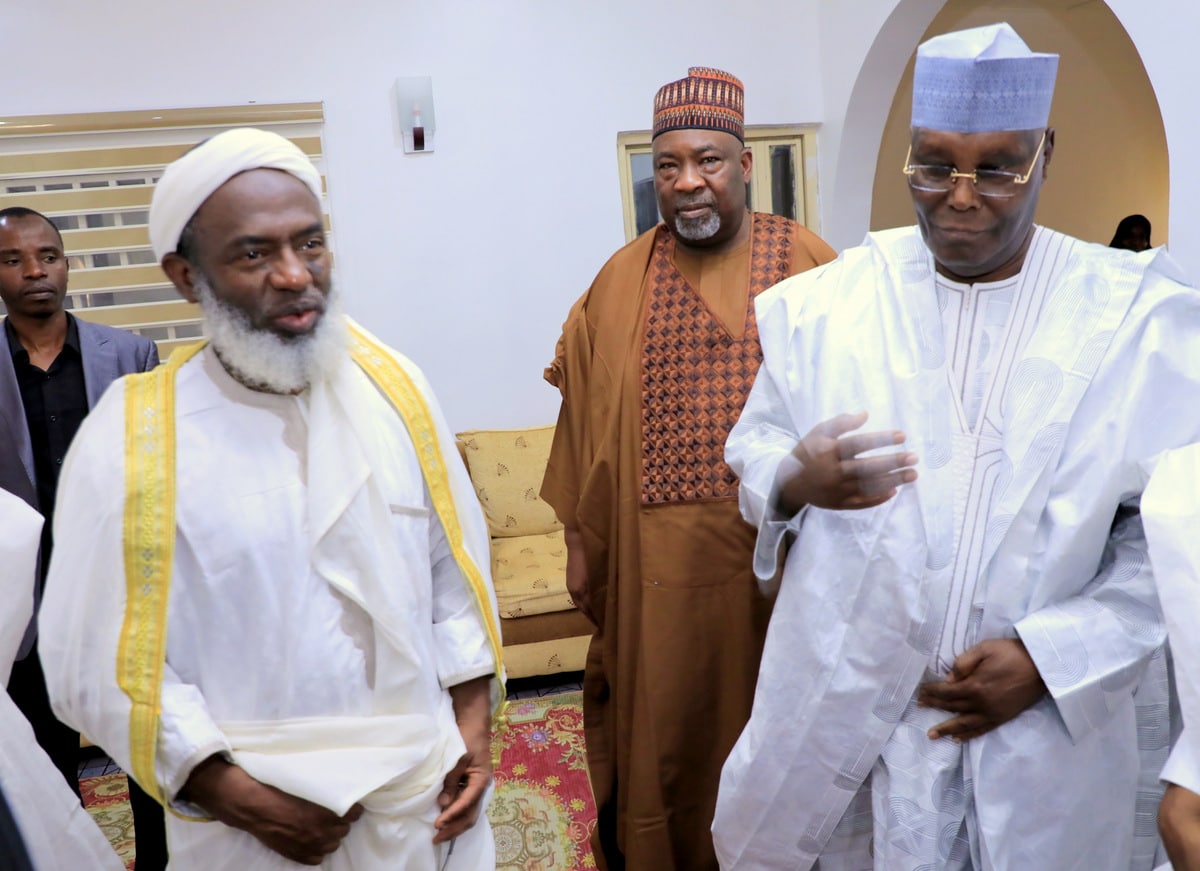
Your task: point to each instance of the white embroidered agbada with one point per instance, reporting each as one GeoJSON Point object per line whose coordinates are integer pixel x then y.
{"type": "Point", "coordinates": [316, 615]}
{"type": "Point", "coordinates": [1098, 363]}
{"type": "Point", "coordinates": [57, 831]}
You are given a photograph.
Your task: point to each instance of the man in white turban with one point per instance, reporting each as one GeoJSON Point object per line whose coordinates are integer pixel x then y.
{"type": "Point", "coordinates": [281, 617]}
{"type": "Point", "coordinates": [965, 666]}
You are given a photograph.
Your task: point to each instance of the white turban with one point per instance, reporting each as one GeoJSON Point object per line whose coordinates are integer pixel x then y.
{"type": "Point", "coordinates": [193, 178]}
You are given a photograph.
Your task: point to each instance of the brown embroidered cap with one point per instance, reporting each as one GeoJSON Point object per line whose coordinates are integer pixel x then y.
{"type": "Point", "coordinates": [708, 99]}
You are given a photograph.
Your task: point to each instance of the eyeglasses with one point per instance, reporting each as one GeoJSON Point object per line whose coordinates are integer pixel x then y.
{"type": "Point", "coordinates": [940, 179]}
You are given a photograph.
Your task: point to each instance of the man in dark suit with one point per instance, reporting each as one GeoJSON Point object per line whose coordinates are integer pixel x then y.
{"type": "Point", "coordinates": [53, 369]}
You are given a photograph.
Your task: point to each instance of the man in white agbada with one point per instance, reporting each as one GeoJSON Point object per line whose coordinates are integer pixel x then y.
{"type": "Point", "coordinates": [1171, 512]}
{"type": "Point", "coordinates": [55, 829]}
{"type": "Point", "coordinates": [964, 670]}
{"type": "Point", "coordinates": [281, 616]}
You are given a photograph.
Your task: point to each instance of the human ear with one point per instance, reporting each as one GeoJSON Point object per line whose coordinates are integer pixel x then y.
{"type": "Point", "coordinates": [182, 274]}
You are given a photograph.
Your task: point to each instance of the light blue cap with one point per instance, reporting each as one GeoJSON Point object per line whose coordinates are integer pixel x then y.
{"type": "Point", "coordinates": [981, 80]}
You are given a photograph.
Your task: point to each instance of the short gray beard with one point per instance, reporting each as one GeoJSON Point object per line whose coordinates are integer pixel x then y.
{"type": "Point", "coordinates": [698, 229]}
{"type": "Point", "coordinates": [265, 361]}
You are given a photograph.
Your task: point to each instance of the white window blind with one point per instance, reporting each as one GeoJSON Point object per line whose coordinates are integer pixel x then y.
{"type": "Point", "coordinates": [93, 175]}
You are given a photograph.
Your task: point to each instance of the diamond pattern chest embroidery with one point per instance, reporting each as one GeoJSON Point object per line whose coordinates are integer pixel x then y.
{"type": "Point", "coordinates": [696, 376]}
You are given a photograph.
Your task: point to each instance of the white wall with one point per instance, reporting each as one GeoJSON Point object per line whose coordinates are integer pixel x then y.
{"type": "Point", "coordinates": [866, 46]}
{"type": "Point", "coordinates": [467, 258]}
{"type": "Point", "coordinates": [1162, 32]}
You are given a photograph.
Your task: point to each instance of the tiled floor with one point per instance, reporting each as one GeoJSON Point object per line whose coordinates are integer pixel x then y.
{"type": "Point", "coordinates": [93, 762]}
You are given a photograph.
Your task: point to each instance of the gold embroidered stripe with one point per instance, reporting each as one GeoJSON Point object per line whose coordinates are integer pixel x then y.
{"type": "Point", "coordinates": [149, 545]}
{"type": "Point", "coordinates": [381, 367]}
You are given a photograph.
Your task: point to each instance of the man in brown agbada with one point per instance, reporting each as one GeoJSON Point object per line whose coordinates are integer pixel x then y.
{"type": "Point", "coordinates": [654, 365]}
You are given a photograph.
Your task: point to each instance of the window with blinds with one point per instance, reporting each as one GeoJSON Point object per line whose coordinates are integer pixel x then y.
{"type": "Point", "coordinates": [93, 175]}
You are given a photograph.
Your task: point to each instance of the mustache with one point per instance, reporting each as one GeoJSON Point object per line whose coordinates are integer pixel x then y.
{"type": "Point", "coordinates": [691, 202]}
{"type": "Point", "coordinates": [308, 302]}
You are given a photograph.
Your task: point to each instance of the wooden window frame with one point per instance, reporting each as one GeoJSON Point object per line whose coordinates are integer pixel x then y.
{"type": "Point", "coordinates": [759, 139]}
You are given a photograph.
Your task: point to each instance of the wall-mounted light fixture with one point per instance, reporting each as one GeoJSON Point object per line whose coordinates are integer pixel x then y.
{"type": "Point", "coordinates": [414, 107]}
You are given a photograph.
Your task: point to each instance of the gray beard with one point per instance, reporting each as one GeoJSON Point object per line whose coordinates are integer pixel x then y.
{"type": "Point", "coordinates": [698, 229]}
{"type": "Point", "coordinates": [262, 360]}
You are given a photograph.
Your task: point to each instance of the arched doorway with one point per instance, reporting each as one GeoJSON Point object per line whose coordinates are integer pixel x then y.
{"type": "Point", "coordinates": [1111, 155]}
{"type": "Point", "coordinates": [1110, 159]}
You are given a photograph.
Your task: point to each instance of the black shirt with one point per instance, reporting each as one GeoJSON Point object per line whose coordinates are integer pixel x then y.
{"type": "Point", "coordinates": [55, 402]}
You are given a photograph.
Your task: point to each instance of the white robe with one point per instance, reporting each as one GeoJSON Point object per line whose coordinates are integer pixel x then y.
{"type": "Point", "coordinates": [315, 610]}
{"type": "Point", "coordinates": [1171, 513]}
{"type": "Point", "coordinates": [57, 831]}
{"type": "Point", "coordinates": [1097, 386]}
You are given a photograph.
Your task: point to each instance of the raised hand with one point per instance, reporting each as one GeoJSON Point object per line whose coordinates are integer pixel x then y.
{"type": "Point", "coordinates": [826, 471]}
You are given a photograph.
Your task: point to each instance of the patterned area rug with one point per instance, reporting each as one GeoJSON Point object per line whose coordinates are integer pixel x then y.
{"type": "Point", "coordinates": [107, 799]}
{"type": "Point", "coordinates": [542, 812]}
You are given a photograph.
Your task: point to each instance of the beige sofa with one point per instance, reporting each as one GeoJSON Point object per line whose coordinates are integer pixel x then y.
{"type": "Point", "coordinates": [542, 631]}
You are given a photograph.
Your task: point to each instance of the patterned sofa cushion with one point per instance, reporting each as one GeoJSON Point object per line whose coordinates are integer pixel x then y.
{"type": "Point", "coordinates": [547, 657]}
{"type": "Point", "coordinates": [506, 467]}
{"type": "Point", "coordinates": [530, 574]}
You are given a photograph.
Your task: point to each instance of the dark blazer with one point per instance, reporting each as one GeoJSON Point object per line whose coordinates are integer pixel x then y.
{"type": "Point", "coordinates": [108, 353]}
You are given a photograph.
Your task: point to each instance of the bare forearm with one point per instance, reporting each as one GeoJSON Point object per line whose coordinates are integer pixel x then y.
{"type": "Point", "coordinates": [786, 500]}
{"type": "Point", "coordinates": [225, 792]}
{"type": "Point", "coordinates": [294, 828]}
{"type": "Point", "coordinates": [465, 784]}
{"type": "Point", "coordinates": [577, 579]}
{"type": "Point", "coordinates": [204, 785]}
{"type": "Point", "coordinates": [473, 708]}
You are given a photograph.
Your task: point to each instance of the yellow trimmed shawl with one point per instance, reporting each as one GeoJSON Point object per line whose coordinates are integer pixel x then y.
{"type": "Point", "coordinates": [149, 526]}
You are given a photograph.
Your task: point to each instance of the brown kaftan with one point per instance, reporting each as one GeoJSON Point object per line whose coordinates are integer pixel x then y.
{"type": "Point", "coordinates": [654, 365]}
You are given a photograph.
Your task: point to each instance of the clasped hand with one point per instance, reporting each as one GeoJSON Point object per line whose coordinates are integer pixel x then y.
{"type": "Point", "coordinates": [990, 684]}
{"type": "Point", "coordinates": [294, 828]}
{"type": "Point", "coordinates": [305, 832]}
{"type": "Point", "coordinates": [826, 471]}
